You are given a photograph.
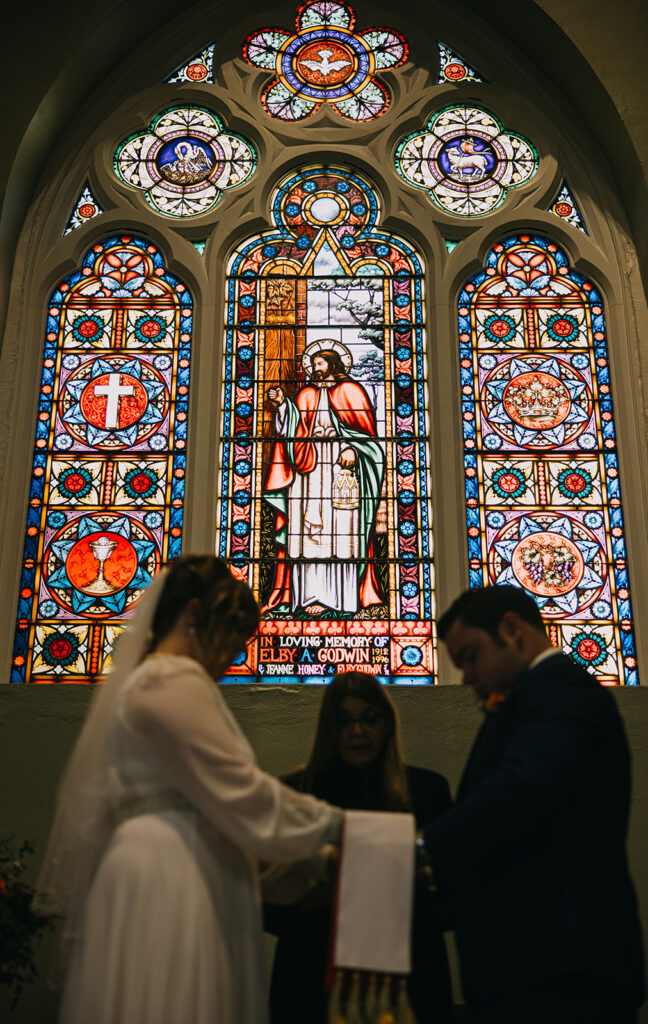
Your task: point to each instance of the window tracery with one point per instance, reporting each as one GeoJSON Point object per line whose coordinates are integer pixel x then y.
{"type": "Point", "coordinates": [335, 274]}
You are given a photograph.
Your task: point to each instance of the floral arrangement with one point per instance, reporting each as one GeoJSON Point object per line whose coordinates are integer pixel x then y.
{"type": "Point", "coordinates": [20, 926]}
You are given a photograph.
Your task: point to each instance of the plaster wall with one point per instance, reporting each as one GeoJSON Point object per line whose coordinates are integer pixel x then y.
{"type": "Point", "coordinates": [38, 726]}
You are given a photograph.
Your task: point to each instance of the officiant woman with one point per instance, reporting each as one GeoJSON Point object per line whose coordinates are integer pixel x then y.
{"type": "Point", "coordinates": [356, 763]}
{"type": "Point", "coordinates": [161, 815]}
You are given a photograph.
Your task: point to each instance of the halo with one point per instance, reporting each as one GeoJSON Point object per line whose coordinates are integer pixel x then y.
{"type": "Point", "coordinates": [321, 345]}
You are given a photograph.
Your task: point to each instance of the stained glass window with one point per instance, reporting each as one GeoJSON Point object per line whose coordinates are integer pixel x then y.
{"type": "Point", "coordinates": [465, 160]}
{"type": "Point", "coordinates": [565, 207]}
{"type": "Point", "coordinates": [199, 68]}
{"type": "Point", "coordinates": [542, 474]}
{"type": "Point", "coordinates": [107, 486]}
{"type": "Point", "coordinates": [325, 506]}
{"type": "Point", "coordinates": [453, 68]}
{"type": "Point", "coordinates": [85, 209]}
{"type": "Point", "coordinates": [325, 61]}
{"type": "Point", "coordinates": [183, 163]}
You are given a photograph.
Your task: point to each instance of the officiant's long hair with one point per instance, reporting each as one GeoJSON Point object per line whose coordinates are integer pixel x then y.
{"type": "Point", "coordinates": [389, 766]}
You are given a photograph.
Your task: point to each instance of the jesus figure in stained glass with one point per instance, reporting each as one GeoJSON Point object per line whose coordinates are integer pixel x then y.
{"type": "Point", "coordinates": [324, 483]}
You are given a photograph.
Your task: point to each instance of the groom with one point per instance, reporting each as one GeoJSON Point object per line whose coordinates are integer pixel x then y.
{"type": "Point", "coordinates": [533, 854]}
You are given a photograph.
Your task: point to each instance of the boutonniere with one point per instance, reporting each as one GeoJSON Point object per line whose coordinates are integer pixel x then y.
{"type": "Point", "coordinates": [493, 701]}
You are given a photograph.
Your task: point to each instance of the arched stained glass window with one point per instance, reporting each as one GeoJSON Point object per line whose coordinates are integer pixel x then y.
{"type": "Point", "coordinates": [107, 492]}
{"type": "Point", "coordinates": [325, 506]}
{"type": "Point", "coordinates": [542, 475]}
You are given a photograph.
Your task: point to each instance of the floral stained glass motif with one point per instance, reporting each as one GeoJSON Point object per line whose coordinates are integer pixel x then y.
{"type": "Point", "coordinates": [465, 160]}
{"type": "Point", "coordinates": [543, 496]}
{"type": "Point", "coordinates": [453, 68]}
{"type": "Point", "coordinates": [325, 506]}
{"type": "Point", "coordinates": [564, 206]}
{"type": "Point", "coordinates": [107, 487]}
{"type": "Point", "coordinates": [185, 161]}
{"type": "Point", "coordinates": [325, 61]}
{"type": "Point", "coordinates": [85, 209]}
{"type": "Point", "coordinates": [198, 69]}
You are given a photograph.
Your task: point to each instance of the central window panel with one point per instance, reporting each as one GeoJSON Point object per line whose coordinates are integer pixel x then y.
{"type": "Point", "coordinates": [325, 489]}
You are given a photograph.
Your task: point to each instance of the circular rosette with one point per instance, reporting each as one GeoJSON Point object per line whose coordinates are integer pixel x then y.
{"type": "Point", "coordinates": [88, 330]}
{"type": "Point", "coordinates": [325, 61]}
{"type": "Point", "coordinates": [509, 483]}
{"type": "Point", "coordinates": [500, 329]}
{"type": "Point", "coordinates": [536, 402]}
{"type": "Point", "coordinates": [325, 198]}
{"type": "Point", "coordinates": [185, 161]}
{"type": "Point", "coordinates": [589, 649]}
{"type": "Point", "coordinates": [324, 69]}
{"type": "Point", "coordinates": [152, 330]}
{"type": "Point", "coordinates": [60, 648]}
{"type": "Point", "coordinates": [557, 559]}
{"type": "Point", "coordinates": [575, 482]}
{"type": "Point", "coordinates": [565, 329]}
{"type": "Point", "coordinates": [465, 159]}
{"type": "Point", "coordinates": [73, 483]}
{"type": "Point", "coordinates": [115, 402]}
{"type": "Point", "coordinates": [593, 646]}
{"type": "Point", "coordinates": [100, 563]}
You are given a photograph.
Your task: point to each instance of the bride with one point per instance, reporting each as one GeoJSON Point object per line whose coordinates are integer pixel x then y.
{"type": "Point", "coordinates": [161, 814]}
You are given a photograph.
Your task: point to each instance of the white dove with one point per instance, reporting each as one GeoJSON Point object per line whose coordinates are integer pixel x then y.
{"type": "Point", "coordinates": [324, 65]}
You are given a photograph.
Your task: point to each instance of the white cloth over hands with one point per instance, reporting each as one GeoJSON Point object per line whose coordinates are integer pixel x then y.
{"type": "Point", "coordinates": [375, 892]}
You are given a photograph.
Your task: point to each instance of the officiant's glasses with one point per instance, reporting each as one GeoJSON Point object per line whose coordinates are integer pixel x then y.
{"type": "Point", "coordinates": [367, 720]}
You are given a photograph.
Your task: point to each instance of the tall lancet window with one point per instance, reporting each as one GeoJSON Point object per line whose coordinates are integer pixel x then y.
{"type": "Point", "coordinates": [325, 502]}
{"type": "Point", "coordinates": [107, 492]}
{"type": "Point", "coordinates": [542, 476]}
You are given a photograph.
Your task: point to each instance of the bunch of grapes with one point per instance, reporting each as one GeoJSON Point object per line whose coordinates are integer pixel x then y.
{"type": "Point", "coordinates": [563, 567]}
{"type": "Point", "coordinates": [532, 560]}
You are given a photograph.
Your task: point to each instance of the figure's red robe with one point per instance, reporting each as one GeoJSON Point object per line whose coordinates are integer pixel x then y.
{"type": "Point", "coordinates": [351, 405]}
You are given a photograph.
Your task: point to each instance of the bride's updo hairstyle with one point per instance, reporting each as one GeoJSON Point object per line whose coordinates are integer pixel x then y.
{"type": "Point", "coordinates": [227, 607]}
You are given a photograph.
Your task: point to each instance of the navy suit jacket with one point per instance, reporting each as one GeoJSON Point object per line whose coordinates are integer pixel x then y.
{"type": "Point", "coordinates": [533, 853]}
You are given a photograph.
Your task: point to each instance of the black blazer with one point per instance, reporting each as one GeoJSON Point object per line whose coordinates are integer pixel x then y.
{"type": "Point", "coordinates": [534, 852]}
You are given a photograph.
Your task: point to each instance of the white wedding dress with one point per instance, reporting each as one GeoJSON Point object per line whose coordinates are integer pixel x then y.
{"type": "Point", "coordinates": [172, 928]}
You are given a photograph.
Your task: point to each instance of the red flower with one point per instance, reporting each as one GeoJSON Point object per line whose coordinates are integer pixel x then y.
{"type": "Point", "coordinates": [494, 700]}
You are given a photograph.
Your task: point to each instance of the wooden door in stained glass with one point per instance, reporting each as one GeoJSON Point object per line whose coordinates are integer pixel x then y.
{"type": "Point", "coordinates": [107, 486]}
{"type": "Point", "coordinates": [325, 506]}
{"type": "Point", "coordinates": [543, 496]}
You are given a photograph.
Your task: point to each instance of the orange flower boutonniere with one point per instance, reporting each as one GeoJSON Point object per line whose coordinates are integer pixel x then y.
{"type": "Point", "coordinates": [494, 700]}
